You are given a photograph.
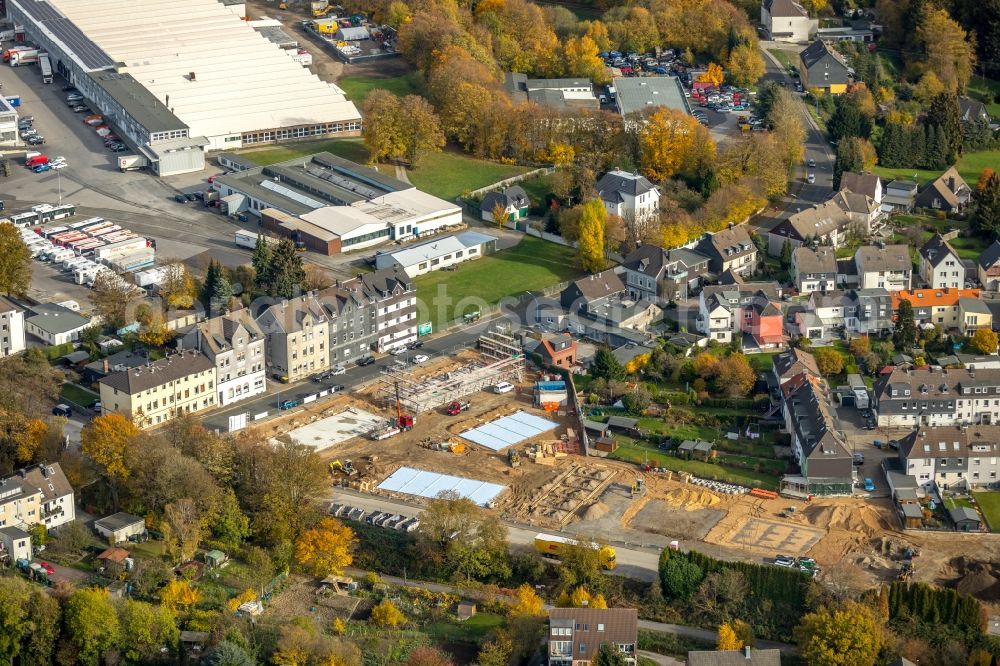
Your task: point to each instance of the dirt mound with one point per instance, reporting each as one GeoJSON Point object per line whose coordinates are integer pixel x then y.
{"type": "Point", "coordinates": [859, 519]}
{"type": "Point", "coordinates": [595, 511]}
{"type": "Point", "coordinates": [980, 579]}
{"type": "Point", "coordinates": [691, 499]}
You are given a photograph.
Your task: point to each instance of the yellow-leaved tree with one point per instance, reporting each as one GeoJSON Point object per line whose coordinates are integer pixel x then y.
{"type": "Point", "coordinates": [734, 635]}
{"type": "Point", "coordinates": [670, 140]}
{"type": "Point", "coordinates": [179, 593]}
{"type": "Point", "coordinates": [107, 440]}
{"type": "Point", "coordinates": [385, 614]}
{"type": "Point", "coordinates": [713, 75]}
{"type": "Point", "coordinates": [327, 548]}
{"type": "Point", "coordinates": [593, 218]}
{"type": "Point", "coordinates": [527, 602]}
{"type": "Point", "coordinates": [984, 341]}
{"type": "Point", "coordinates": [848, 636]}
{"type": "Point", "coordinates": [580, 597]}
{"type": "Point", "coordinates": [580, 59]}
{"type": "Point", "coordinates": [746, 65]}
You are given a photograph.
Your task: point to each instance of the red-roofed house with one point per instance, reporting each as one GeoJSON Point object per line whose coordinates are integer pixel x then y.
{"type": "Point", "coordinates": [558, 351]}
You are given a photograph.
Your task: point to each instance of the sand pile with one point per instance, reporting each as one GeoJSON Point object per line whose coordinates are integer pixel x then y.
{"type": "Point", "coordinates": [595, 511]}
{"type": "Point", "coordinates": [858, 519]}
{"type": "Point", "coordinates": [980, 579]}
{"type": "Point", "coordinates": [691, 499]}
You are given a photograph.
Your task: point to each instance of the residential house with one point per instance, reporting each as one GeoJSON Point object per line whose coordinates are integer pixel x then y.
{"type": "Point", "coordinates": [150, 395]}
{"type": "Point", "coordinates": [934, 306]}
{"type": "Point", "coordinates": [888, 267]}
{"type": "Point", "coordinates": [864, 214]}
{"type": "Point", "coordinates": [395, 298]}
{"type": "Point", "coordinates": [948, 192]}
{"type": "Point", "coordinates": [869, 312]}
{"type": "Point", "coordinates": [730, 250]}
{"type": "Point", "coordinates": [900, 195]}
{"type": "Point", "coordinates": [35, 495]}
{"type": "Point", "coordinates": [989, 267]}
{"type": "Point", "coordinates": [15, 544]}
{"type": "Point", "coordinates": [952, 457]}
{"type": "Point", "coordinates": [55, 324]}
{"type": "Point", "coordinates": [823, 317]}
{"type": "Point", "coordinates": [920, 397]}
{"type": "Point", "coordinates": [787, 21]}
{"type": "Point", "coordinates": [814, 269]}
{"type": "Point", "coordinates": [119, 527]}
{"type": "Point", "coordinates": [822, 68]}
{"type": "Point", "coordinates": [438, 253]}
{"type": "Point", "coordinates": [823, 224]}
{"type": "Point", "coordinates": [595, 288]}
{"type": "Point", "coordinates": [630, 196]}
{"type": "Point", "coordinates": [296, 333]}
{"type": "Point", "coordinates": [576, 634]}
{"type": "Point", "coordinates": [558, 350]}
{"type": "Point", "coordinates": [235, 343]}
{"type": "Point", "coordinates": [748, 656]}
{"type": "Point", "coordinates": [117, 362]}
{"type": "Point", "coordinates": [655, 274]}
{"type": "Point", "coordinates": [973, 314]}
{"type": "Point", "coordinates": [977, 362]}
{"type": "Point", "coordinates": [940, 266]}
{"type": "Point", "coordinates": [867, 184]}
{"type": "Point", "coordinates": [752, 309]}
{"type": "Point", "coordinates": [11, 327]}
{"type": "Point", "coordinates": [514, 201]}
{"type": "Point", "coordinates": [972, 110]}
{"type": "Point", "coordinates": [792, 363]}
{"type": "Point", "coordinates": [818, 446]}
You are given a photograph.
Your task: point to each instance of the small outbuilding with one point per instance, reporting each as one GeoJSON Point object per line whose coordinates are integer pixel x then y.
{"type": "Point", "coordinates": [113, 560]}
{"type": "Point", "coordinates": [514, 201]}
{"type": "Point", "coordinates": [120, 527]}
{"type": "Point", "coordinates": [215, 558]}
{"type": "Point", "coordinates": [623, 424]}
{"type": "Point", "coordinates": [696, 449]}
{"type": "Point", "coordinates": [15, 544]}
{"type": "Point", "coordinates": [965, 519]}
{"type": "Point", "coordinates": [465, 610]}
{"type": "Point", "coordinates": [353, 34]}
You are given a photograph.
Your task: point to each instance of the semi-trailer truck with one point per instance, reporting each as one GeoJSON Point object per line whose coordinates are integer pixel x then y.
{"type": "Point", "coordinates": [45, 66]}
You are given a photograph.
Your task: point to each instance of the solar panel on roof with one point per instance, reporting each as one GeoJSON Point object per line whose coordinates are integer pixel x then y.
{"type": "Point", "coordinates": [89, 54]}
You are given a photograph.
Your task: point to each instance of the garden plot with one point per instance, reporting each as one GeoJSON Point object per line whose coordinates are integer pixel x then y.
{"type": "Point", "coordinates": [338, 428]}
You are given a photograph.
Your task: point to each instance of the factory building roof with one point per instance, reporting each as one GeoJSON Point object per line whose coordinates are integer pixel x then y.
{"type": "Point", "coordinates": [647, 93]}
{"type": "Point", "coordinates": [218, 74]}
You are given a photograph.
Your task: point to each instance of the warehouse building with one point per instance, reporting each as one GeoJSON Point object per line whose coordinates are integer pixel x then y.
{"type": "Point", "coordinates": [438, 253]}
{"type": "Point", "coordinates": [332, 205]}
{"type": "Point", "coordinates": [8, 123]}
{"type": "Point", "coordinates": [647, 93]}
{"type": "Point", "coordinates": [177, 77]}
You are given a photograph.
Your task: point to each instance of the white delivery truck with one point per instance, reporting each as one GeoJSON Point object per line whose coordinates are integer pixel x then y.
{"type": "Point", "coordinates": [132, 162]}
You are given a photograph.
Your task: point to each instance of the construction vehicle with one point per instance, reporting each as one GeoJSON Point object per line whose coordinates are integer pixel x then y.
{"type": "Point", "coordinates": [320, 8]}
{"type": "Point", "coordinates": [553, 546]}
{"type": "Point", "coordinates": [906, 571]}
{"type": "Point", "coordinates": [346, 467]}
{"type": "Point", "coordinates": [513, 457]}
{"type": "Point", "coordinates": [395, 426]}
{"type": "Point", "coordinates": [638, 487]}
{"type": "Point", "coordinates": [457, 407]}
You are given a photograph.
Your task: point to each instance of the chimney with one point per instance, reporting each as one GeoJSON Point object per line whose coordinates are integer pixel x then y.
{"type": "Point", "coordinates": [191, 76]}
{"type": "Point", "coordinates": [105, 366]}
{"type": "Point", "coordinates": [951, 183]}
{"type": "Point", "coordinates": [746, 652]}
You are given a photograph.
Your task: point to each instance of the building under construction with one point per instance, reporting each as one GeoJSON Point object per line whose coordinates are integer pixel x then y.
{"type": "Point", "coordinates": [501, 359]}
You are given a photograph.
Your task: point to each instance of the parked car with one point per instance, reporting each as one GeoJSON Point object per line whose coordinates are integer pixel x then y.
{"type": "Point", "coordinates": [62, 409]}
{"type": "Point", "coordinates": [288, 404]}
{"type": "Point", "coordinates": [42, 168]}
{"type": "Point", "coordinates": [320, 376]}
{"type": "Point", "coordinates": [784, 561]}
{"type": "Point", "coordinates": [420, 358]}
{"type": "Point", "coordinates": [336, 388]}
{"type": "Point", "coordinates": [858, 459]}
{"type": "Point", "coordinates": [367, 360]}
{"type": "Point", "coordinates": [416, 344]}
{"type": "Point", "coordinates": [503, 387]}
{"type": "Point", "coordinates": [869, 485]}
{"type": "Point", "coordinates": [337, 370]}
{"type": "Point", "coordinates": [180, 198]}
{"type": "Point", "coordinates": [812, 164]}
{"type": "Point", "coordinates": [396, 351]}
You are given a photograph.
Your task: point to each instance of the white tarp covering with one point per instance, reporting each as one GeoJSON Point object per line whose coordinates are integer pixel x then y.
{"type": "Point", "coordinates": [431, 484]}
{"type": "Point", "coordinates": [508, 430]}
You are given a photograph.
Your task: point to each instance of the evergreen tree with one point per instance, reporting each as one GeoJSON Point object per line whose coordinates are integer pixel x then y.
{"type": "Point", "coordinates": [283, 275]}
{"type": "Point", "coordinates": [889, 149]}
{"type": "Point", "coordinates": [786, 254]}
{"type": "Point", "coordinates": [216, 291]}
{"type": "Point", "coordinates": [987, 211]}
{"type": "Point", "coordinates": [918, 147]}
{"type": "Point", "coordinates": [945, 114]}
{"type": "Point", "coordinates": [906, 328]}
{"type": "Point", "coordinates": [606, 366]}
{"type": "Point", "coordinates": [848, 159]}
{"type": "Point", "coordinates": [976, 135]}
{"type": "Point", "coordinates": [937, 147]}
{"type": "Point", "coordinates": [260, 261]}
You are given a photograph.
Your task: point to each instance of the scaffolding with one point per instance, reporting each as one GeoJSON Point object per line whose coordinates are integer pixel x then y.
{"type": "Point", "coordinates": [501, 359]}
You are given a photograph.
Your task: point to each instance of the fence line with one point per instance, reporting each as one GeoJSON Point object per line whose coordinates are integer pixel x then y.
{"type": "Point", "coordinates": [509, 181]}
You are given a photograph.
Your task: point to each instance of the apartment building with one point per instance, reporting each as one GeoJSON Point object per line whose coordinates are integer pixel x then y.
{"type": "Point", "coordinates": [297, 335]}
{"type": "Point", "coordinates": [235, 343]}
{"type": "Point", "coordinates": [576, 634]}
{"type": "Point", "coordinates": [395, 300]}
{"type": "Point", "coordinates": [823, 224]}
{"type": "Point", "coordinates": [654, 274]}
{"type": "Point", "coordinates": [731, 249]}
{"type": "Point", "coordinates": [155, 393]}
{"type": "Point", "coordinates": [353, 324]}
{"type": "Point", "coordinates": [940, 266]}
{"type": "Point", "coordinates": [11, 328]}
{"type": "Point", "coordinates": [936, 306]}
{"type": "Point", "coordinates": [952, 457]}
{"type": "Point", "coordinates": [40, 494]}
{"type": "Point", "coordinates": [918, 397]}
{"type": "Point", "coordinates": [888, 267]}
{"type": "Point", "coordinates": [818, 446]}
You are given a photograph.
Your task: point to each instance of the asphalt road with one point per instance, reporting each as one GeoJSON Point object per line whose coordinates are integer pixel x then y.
{"type": "Point", "coordinates": [801, 193]}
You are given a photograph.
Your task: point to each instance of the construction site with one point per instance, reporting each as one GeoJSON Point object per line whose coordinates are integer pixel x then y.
{"type": "Point", "coordinates": [451, 430]}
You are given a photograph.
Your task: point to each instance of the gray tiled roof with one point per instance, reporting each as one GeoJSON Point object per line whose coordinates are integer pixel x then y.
{"type": "Point", "coordinates": [157, 373]}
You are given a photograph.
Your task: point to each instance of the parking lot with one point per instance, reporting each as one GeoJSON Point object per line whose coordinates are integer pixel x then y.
{"type": "Point", "coordinates": [862, 441]}
{"type": "Point", "coordinates": [384, 519]}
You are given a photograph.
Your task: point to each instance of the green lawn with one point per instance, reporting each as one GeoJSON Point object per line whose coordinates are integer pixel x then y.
{"type": "Point", "coordinates": [349, 149]}
{"type": "Point", "coordinates": [450, 174]}
{"type": "Point", "coordinates": [989, 506]}
{"type": "Point", "coordinates": [955, 502]}
{"type": "Point", "coordinates": [78, 394]}
{"type": "Point", "coordinates": [630, 451]}
{"type": "Point", "coordinates": [357, 87]}
{"type": "Point", "coordinates": [473, 630]}
{"type": "Point", "coordinates": [969, 167]}
{"type": "Point", "coordinates": [782, 56]}
{"type": "Point", "coordinates": [762, 362]}
{"type": "Point", "coordinates": [978, 86]}
{"type": "Point", "coordinates": [530, 265]}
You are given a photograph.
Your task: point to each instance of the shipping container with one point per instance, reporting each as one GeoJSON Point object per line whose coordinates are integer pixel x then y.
{"type": "Point", "coordinates": [248, 239]}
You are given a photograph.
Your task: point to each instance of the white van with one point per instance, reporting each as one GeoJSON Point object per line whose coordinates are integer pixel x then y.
{"type": "Point", "coordinates": [503, 387]}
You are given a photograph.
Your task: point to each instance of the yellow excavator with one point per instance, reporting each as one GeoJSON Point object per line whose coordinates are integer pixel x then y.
{"type": "Point", "coordinates": [321, 8]}
{"type": "Point", "coordinates": [346, 468]}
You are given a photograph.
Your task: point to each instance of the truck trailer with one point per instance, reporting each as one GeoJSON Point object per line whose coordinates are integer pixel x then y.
{"type": "Point", "coordinates": [45, 66]}
{"type": "Point", "coordinates": [19, 58]}
{"type": "Point", "coordinates": [112, 251]}
{"type": "Point", "coordinates": [132, 162]}
{"type": "Point", "coordinates": [555, 546]}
